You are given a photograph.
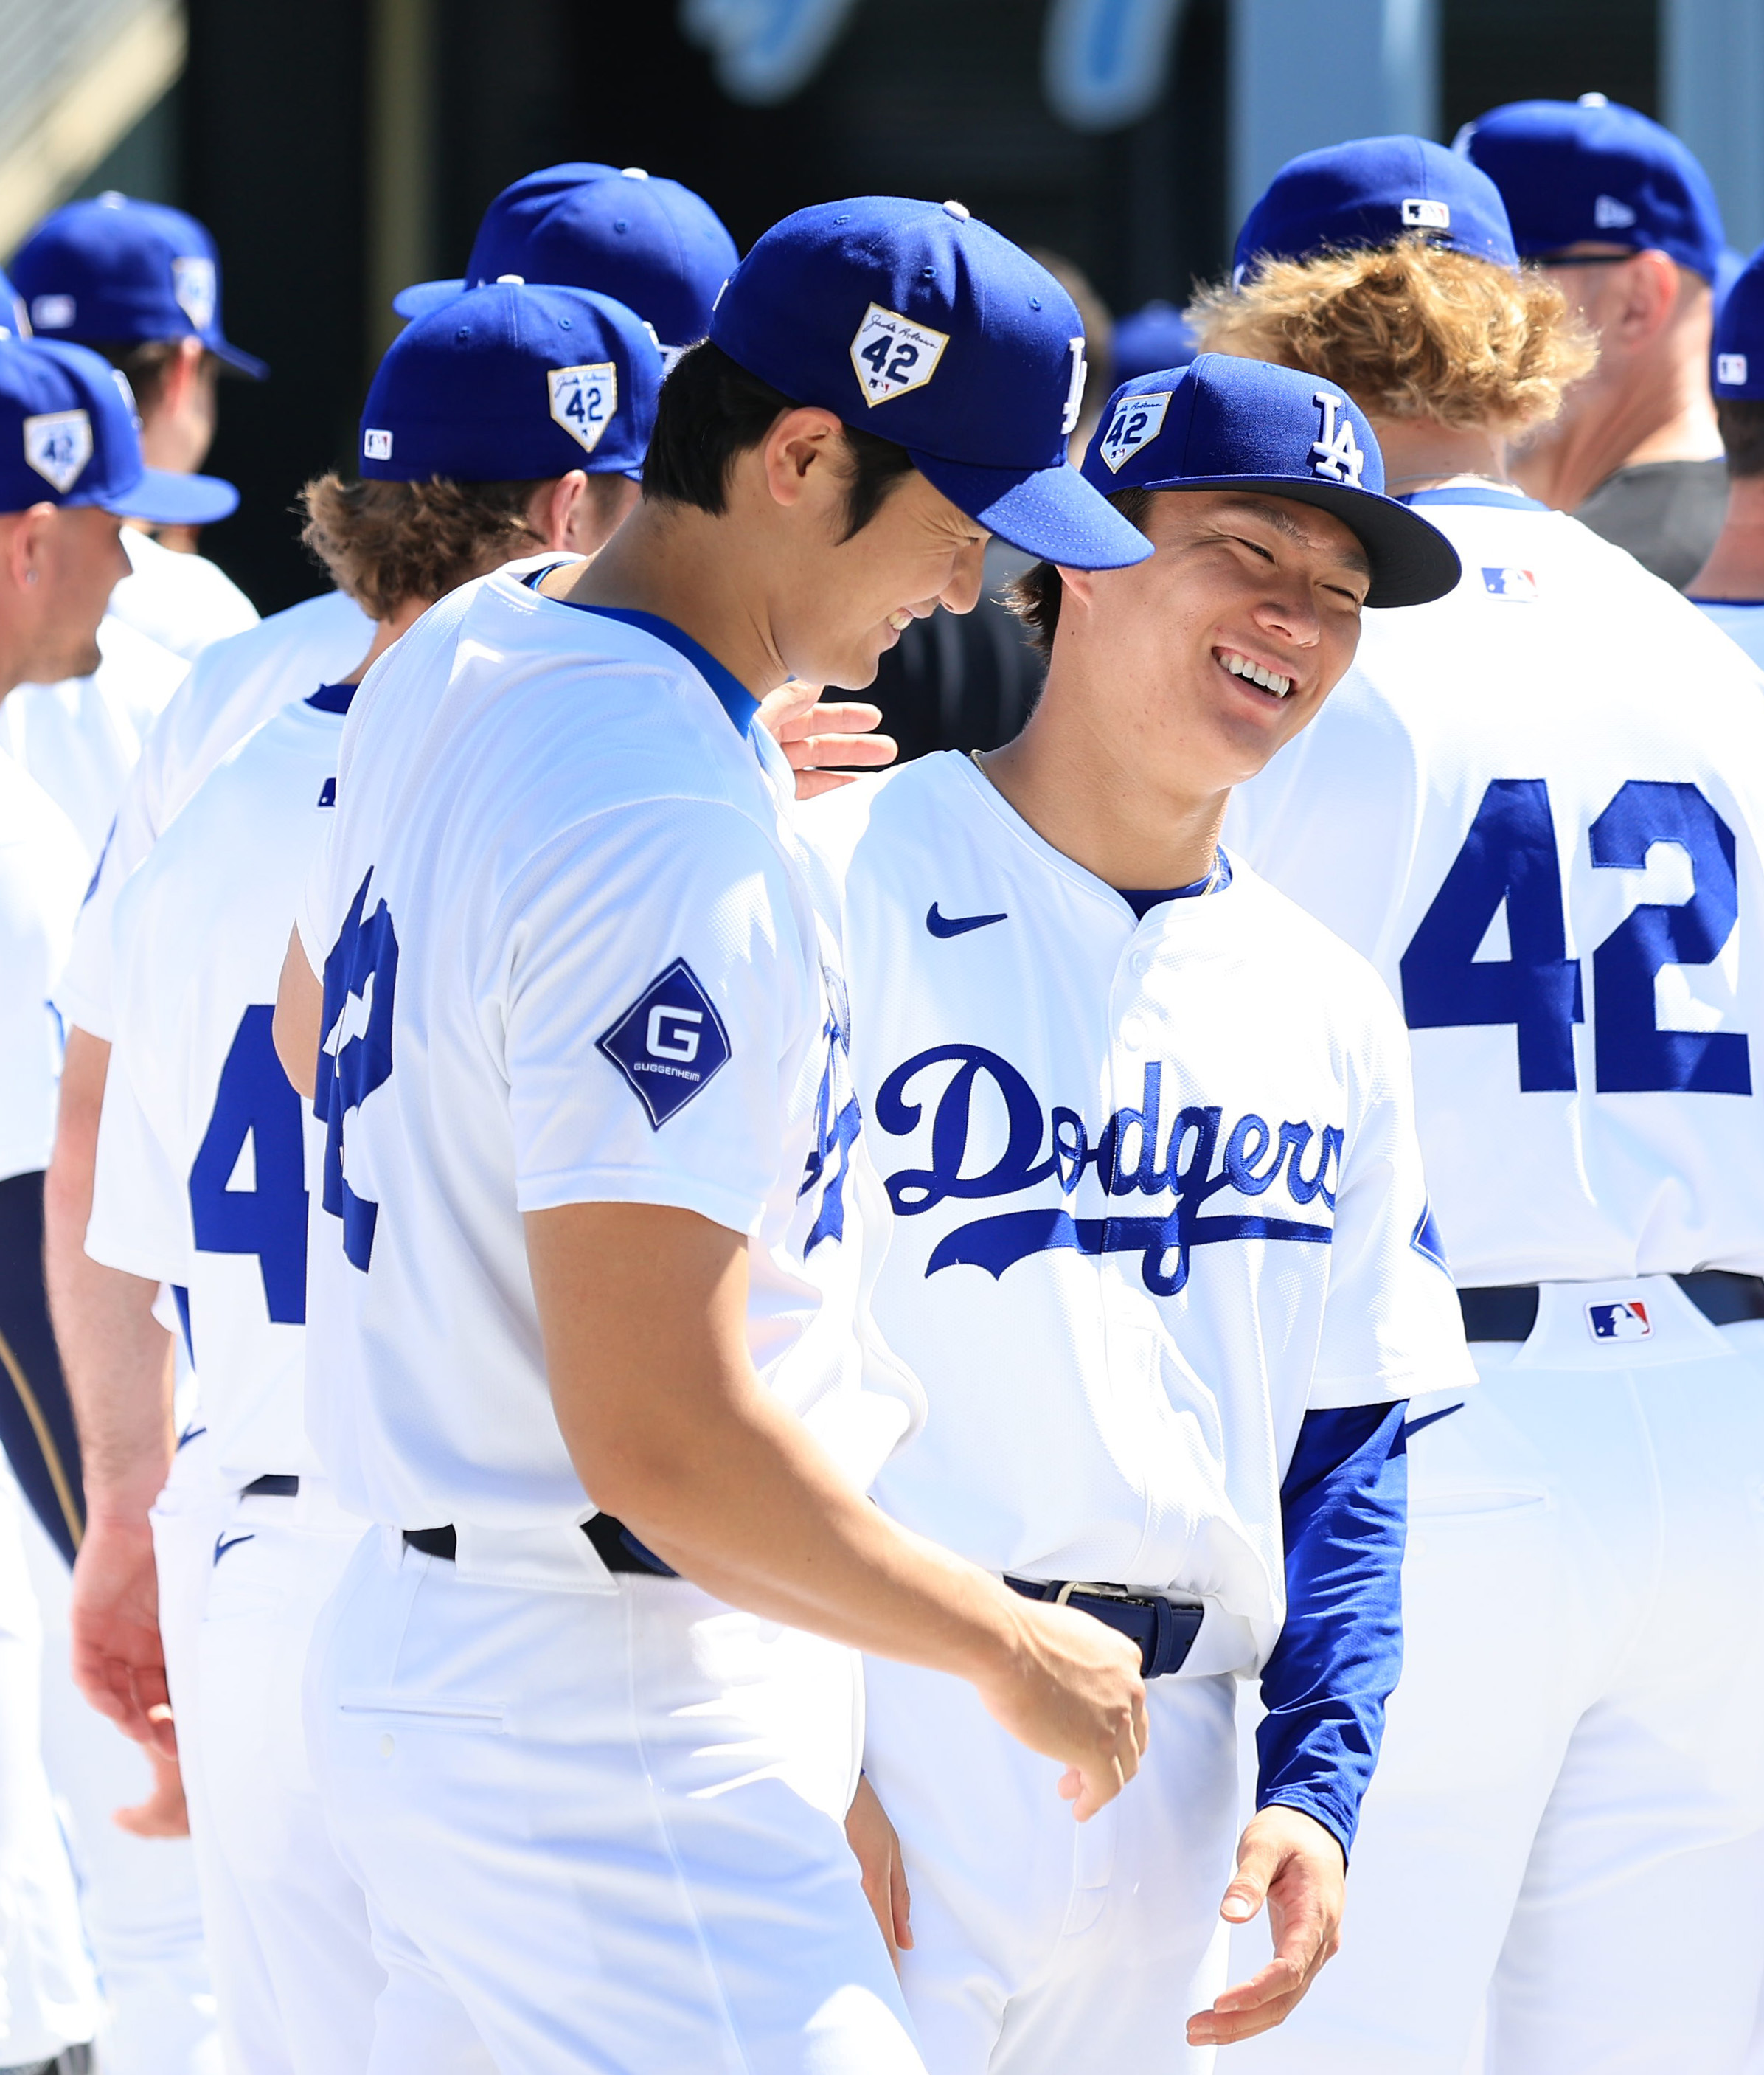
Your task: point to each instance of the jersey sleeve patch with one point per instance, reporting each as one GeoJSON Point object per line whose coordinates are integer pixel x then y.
{"type": "Point", "coordinates": [1427, 1242]}
{"type": "Point", "coordinates": [669, 1043]}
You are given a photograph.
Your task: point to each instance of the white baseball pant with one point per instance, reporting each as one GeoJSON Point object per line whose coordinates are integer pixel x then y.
{"type": "Point", "coordinates": [609, 1816]}
{"type": "Point", "coordinates": [1564, 1839]}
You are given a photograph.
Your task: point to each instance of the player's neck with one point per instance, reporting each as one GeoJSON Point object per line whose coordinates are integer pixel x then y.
{"type": "Point", "coordinates": [1655, 412]}
{"type": "Point", "coordinates": [1420, 454]}
{"type": "Point", "coordinates": [1089, 797]}
{"type": "Point", "coordinates": [1735, 568]}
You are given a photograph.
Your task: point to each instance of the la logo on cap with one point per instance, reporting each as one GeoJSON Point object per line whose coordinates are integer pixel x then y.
{"type": "Point", "coordinates": [892, 355]}
{"type": "Point", "coordinates": [1421, 214]}
{"type": "Point", "coordinates": [58, 445]}
{"type": "Point", "coordinates": [583, 400]}
{"type": "Point", "coordinates": [1136, 422]}
{"type": "Point", "coordinates": [1337, 454]}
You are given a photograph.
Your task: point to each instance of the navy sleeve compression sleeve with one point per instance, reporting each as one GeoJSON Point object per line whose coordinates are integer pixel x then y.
{"type": "Point", "coordinates": [1344, 1509]}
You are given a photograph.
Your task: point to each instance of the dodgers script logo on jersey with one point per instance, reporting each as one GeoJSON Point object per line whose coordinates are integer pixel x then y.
{"type": "Point", "coordinates": [1131, 1154]}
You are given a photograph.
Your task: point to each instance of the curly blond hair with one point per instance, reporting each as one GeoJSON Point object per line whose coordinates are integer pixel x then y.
{"type": "Point", "coordinates": [386, 543]}
{"type": "Point", "coordinates": [1410, 331]}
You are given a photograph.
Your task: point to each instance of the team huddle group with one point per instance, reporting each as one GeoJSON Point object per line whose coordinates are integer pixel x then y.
{"type": "Point", "coordinates": [709, 1408]}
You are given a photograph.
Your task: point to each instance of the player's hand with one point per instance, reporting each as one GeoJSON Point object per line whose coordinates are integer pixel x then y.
{"type": "Point", "coordinates": [163, 1814]}
{"type": "Point", "coordinates": [118, 1659]}
{"type": "Point", "coordinates": [1072, 1690]}
{"type": "Point", "coordinates": [813, 735]}
{"type": "Point", "coordinates": [1288, 1860]}
{"type": "Point", "coordinates": [877, 1851]}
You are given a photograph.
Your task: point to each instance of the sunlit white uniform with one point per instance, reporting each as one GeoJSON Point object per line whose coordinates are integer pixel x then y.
{"type": "Point", "coordinates": [569, 956]}
{"type": "Point", "coordinates": [1156, 1195]}
{"type": "Point", "coordinates": [234, 685]}
{"type": "Point", "coordinates": [1536, 805]}
{"type": "Point", "coordinates": [183, 601]}
{"type": "Point", "coordinates": [205, 1160]}
{"type": "Point", "coordinates": [41, 862]}
{"type": "Point", "coordinates": [79, 738]}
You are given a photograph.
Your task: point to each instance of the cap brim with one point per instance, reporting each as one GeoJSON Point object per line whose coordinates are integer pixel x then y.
{"type": "Point", "coordinates": [1053, 513]}
{"type": "Point", "coordinates": [241, 361]}
{"type": "Point", "coordinates": [165, 499]}
{"type": "Point", "coordinates": [421, 297]}
{"type": "Point", "coordinates": [1413, 562]}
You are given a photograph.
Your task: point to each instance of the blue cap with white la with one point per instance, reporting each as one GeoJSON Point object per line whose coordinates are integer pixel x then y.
{"type": "Point", "coordinates": [513, 384]}
{"type": "Point", "coordinates": [1226, 424]}
{"type": "Point", "coordinates": [1373, 191]}
{"type": "Point", "coordinates": [113, 271]}
{"type": "Point", "coordinates": [916, 322]}
{"type": "Point", "coordinates": [68, 436]}
{"type": "Point", "coordinates": [1156, 336]}
{"type": "Point", "coordinates": [657, 247]}
{"type": "Point", "coordinates": [1738, 356]}
{"type": "Point", "coordinates": [1592, 171]}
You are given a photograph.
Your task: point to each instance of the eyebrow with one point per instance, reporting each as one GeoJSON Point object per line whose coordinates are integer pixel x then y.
{"type": "Point", "coordinates": [1283, 522]}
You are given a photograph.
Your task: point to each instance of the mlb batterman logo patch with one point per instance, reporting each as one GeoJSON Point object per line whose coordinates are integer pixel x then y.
{"type": "Point", "coordinates": [1520, 584]}
{"type": "Point", "coordinates": [669, 1043]}
{"type": "Point", "coordinates": [583, 400]}
{"type": "Point", "coordinates": [1730, 367]}
{"type": "Point", "coordinates": [1137, 421]}
{"type": "Point", "coordinates": [193, 289]}
{"type": "Point", "coordinates": [58, 445]}
{"type": "Point", "coordinates": [893, 354]}
{"type": "Point", "coordinates": [1427, 215]}
{"type": "Point", "coordinates": [1619, 1321]}
{"type": "Point", "coordinates": [376, 443]}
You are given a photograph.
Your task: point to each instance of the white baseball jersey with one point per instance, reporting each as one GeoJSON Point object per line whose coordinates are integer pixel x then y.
{"type": "Point", "coordinates": [81, 739]}
{"type": "Point", "coordinates": [43, 871]}
{"type": "Point", "coordinates": [1740, 619]}
{"type": "Point", "coordinates": [233, 687]}
{"type": "Point", "coordinates": [182, 601]}
{"type": "Point", "coordinates": [1155, 1193]}
{"type": "Point", "coordinates": [569, 955]}
{"type": "Point", "coordinates": [1536, 806]}
{"type": "Point", "coordinates": [206, 1154]}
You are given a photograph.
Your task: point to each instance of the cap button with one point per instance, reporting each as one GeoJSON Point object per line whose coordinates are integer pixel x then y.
{"type": "Point", "coordinates": [634, 173]}
{"type": "Point", "coordinates": [1593, 101]}
{"type": "Point", "coordinates": [512, 280]}
{"type": "Point", "coordinates": [957, 209]}
{"type": "Point", "coordinates": [620, 224]}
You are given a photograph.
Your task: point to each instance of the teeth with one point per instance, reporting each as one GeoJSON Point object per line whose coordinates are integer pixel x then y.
{"type": "Point", "coordinates": [1270, 680]}
{"type": "Point", "coordinates": [901, 621]}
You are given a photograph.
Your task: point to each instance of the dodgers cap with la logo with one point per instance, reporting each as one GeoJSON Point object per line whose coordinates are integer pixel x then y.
{"type": "Point", "coordinates": [1737, 360]}
{"type": "Point", "coordinates": [1592, 171]}
{"type": "Point", "coordinates": [113, 271]}
{"type": "Point", "coordinates": [1225, 424]}
{"type": "Point", "coordinates": [68, 436]}
{"type": "Point", "coordinates": [1373, 191]}
{"type": "Point", "coordinates": [917, 322]}
{"type": "Point", "coordinates": [513, 384]}
{"type": "Point", "coordinates": [658, 247]}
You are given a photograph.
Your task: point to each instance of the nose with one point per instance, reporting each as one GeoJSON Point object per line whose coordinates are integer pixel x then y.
{"type": "Point", "coordinates": [1290, 613]}
{"type": "Point", "coordinates": [962, 593]}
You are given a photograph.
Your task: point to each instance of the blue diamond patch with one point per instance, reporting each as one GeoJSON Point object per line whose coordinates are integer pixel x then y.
{"type": "Point", "coordinates": [669, 1043]}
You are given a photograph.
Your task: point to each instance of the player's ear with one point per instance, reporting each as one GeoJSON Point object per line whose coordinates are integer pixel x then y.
{"type": "Point", "coordinates": [799, 455]}
{"type": "Point", "coordinates": [1079, 586]}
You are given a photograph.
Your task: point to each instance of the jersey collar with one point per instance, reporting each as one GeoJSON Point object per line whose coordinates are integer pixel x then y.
{"type": "Point", "coordinates": [333, 698]}
{"type": "Point", "coordinates": [736, 701]}
{"type": "Point", "coordinates": [1506, 500]}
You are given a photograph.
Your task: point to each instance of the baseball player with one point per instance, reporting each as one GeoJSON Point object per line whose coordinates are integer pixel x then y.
{"type": "Point", "coordinates": [201, 1177]}
{"type": "Point", "coordinates": [1627, 224]}
{"type": "Point", "coordinates": [580, 1238]}
{"type": "Point", "coordinates": [1535, 807]}
{"type": "Point", "coordinates": [74, 463]}
{"type": "Point", "coordinates": [1158, 1249]}
{"type": "Point", "coordinates": [1729, 587]}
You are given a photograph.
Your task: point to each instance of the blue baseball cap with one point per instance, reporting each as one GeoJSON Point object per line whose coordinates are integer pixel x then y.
{"type": "Point", "coordinates": [14, 319]}
{"type": "Point", "coordinates": [1148, 339]}
{"type": "Point", "coordinates": [1593, 171]}
{"type": "Point", "coordinates": [657, 247]}
{"type": "Point", "coordinates": [916, 321]}
{"type": "Point", "coordinates": [68, 435]}
{"type": "Point", "coordinates": [1226, 424]}
{"type": "Point", "coordinates": [1373, 191]}
{"type": "Point", "coordinates": [513, 384]}
{"type": "Point", "coordinates": [115, 269]}
{"type": "Point", "coordinates": [1738, 359]}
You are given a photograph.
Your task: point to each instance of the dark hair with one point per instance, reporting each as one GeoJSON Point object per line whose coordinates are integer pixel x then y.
{"type": "Point", "coordinates": [1034, 597]}
{"type": "Point", "coordinates": [386, 543]}
{"type": "Point", "coordinates": [143, 361]}
{"type": "Point", "coordinates": [1742, 420]}
{"type": "Point", "coordinates": [712, 410]}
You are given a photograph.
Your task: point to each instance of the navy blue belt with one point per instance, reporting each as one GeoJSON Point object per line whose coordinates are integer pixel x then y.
{"type": "Point", "coordinates": [272, 1487]}
{"type": "Point", "coordinates": [618, 1549]}
{"type": "Point", "coordinates": [1164, 1629]}
{"type": "Point", "coordinates": [1508, 1310]}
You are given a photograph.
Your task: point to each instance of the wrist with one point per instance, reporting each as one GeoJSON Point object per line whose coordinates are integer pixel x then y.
{"type": "Point", "coordinates": [120, 1513]}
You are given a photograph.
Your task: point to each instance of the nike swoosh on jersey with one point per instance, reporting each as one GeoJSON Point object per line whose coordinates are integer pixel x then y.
{"type": "Point", "coordinates": [221, 1545]}
{"type": "Point", "coordinates": [958, 925]}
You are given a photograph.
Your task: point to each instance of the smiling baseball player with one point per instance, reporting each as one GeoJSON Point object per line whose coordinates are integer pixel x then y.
{"type": "Point", "coordinates": [1158, 1253]}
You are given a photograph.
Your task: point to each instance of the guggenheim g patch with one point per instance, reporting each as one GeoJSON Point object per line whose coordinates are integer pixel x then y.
{"type": "Point", "coordinates": [669, 1043]}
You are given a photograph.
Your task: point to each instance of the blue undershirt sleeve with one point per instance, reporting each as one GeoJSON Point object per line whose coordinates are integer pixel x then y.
{"type": "Point", "coordinates": [1344, 1510]}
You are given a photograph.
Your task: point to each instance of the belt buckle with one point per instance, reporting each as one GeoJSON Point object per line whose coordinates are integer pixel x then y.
{"type": "Point", "coordinates": [1095, 1591]}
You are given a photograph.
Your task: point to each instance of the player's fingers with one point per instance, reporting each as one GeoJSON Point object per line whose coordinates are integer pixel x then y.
{"type": "Point", "coordinates": [1218, 2028]}
{"type": "Point", "coordinates": [901, 1899]}
{"type": "Point", "coordinates": [1142, 1723]}
{"type": "Point", "coordinates": [809, 753]}
{"type": "Point", "coordinates": [1257, 1862]}
{"type": "Point", "coordinates": [1102, 1780]}
{"type": "Point", "coordinates": [832, 717]}
{"type": "Point", "coordinates": [811, 785]}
